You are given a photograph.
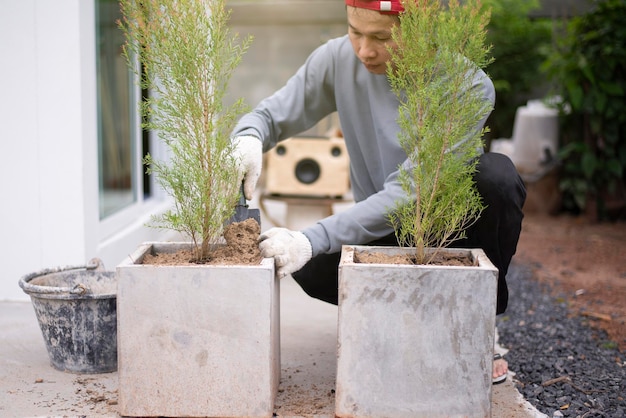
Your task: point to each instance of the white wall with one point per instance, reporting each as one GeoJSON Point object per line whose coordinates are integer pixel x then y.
{"type": "Point", "coordinates": [48, 145]}
{"type": "Point", "coordinates": [42, 218]}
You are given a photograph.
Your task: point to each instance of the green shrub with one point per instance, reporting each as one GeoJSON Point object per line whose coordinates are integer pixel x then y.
{"type": "Point", "coordinates": [440, 52]}
{"type": "Point", "coordinates": [588, 69]}
{"type": "Point", "coordinates": [519, 47]}
{"type": "Point", "coordinates": [188, 55]}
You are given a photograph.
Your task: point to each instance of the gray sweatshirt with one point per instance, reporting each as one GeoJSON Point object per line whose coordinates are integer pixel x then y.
{"type": "Point", "coordinates": [333, 79]}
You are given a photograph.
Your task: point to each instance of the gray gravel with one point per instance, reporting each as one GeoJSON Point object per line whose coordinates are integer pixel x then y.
{"type": "Point", "coordinates": [563, 367]}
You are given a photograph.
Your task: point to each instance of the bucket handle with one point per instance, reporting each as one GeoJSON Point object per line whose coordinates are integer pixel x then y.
{"type": "Point", "coordinates": [79, 289]}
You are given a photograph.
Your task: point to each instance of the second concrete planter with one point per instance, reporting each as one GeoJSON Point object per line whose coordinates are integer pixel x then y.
{"type": "Point", "coordinates": [197, 340]}
{"type": "Point", "coordinates": [415, 340]}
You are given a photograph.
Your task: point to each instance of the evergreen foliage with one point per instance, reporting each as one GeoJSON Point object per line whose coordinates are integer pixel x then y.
{"type": "Point", "coordinates": [188, 54]}
{"type": "Point", "coordinates": [439, 53]}
{"type": "Point", "coordinates": [588, 69]}
{"type": "Point", "coordinates": [520, 44]}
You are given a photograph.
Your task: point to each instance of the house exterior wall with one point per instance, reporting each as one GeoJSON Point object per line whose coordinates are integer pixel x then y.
{"type": "Point", "coordinates": [284, 33]}
{"type": "Point", "coordinates": [49, 215]}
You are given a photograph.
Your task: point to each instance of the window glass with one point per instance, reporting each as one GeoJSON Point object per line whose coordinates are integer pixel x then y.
{"type": "Point", "coordinates": [118, 144]}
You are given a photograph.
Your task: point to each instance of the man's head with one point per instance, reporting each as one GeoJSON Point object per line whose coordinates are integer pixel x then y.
{"type": "Point", "coordinates": [369, 30]}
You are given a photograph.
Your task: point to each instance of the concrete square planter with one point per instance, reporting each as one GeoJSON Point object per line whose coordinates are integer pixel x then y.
{"type": "Point", "coordinates": [415, 341]}
{"type": "Point", "coordinates": [201, 340]}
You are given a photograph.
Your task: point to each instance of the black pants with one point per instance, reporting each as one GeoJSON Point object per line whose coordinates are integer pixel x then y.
{"type": "Point", "coordinates": [496, 232]}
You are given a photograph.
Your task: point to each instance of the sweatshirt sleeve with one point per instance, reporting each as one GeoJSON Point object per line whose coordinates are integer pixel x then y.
{"type": "Point", "coordinates": [364, 222]}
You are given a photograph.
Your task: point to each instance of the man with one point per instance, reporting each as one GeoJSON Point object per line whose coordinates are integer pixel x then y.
{"type": "Point", "coordinates": [348, 75]}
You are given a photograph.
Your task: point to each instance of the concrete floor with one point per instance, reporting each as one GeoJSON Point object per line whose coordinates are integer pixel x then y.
{"type": "Point", "coordinates": [31, 387]}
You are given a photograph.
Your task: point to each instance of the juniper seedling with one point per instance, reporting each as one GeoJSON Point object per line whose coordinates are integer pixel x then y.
{"type": "Point", "coordinates": [433, 72]}
{"type": "Point", "coordinates": [188, 55]}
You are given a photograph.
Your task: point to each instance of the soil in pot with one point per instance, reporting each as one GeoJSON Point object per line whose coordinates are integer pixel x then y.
{"type": "Point", "coordinates": [440, 259]}
{"type": "Point", "coordinates": [241, 248]}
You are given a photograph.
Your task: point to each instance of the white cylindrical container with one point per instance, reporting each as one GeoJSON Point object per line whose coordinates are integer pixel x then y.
{"type": "Point", "coordinates": [535, 136]}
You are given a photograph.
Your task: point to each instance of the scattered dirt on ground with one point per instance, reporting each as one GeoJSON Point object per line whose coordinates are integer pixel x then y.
{"type": "Point", "coordinates": [303, 400]}
{"type": "Point", "coordinates": [95, 394]}
{"type": "Point", "coordinates": [584, 262]}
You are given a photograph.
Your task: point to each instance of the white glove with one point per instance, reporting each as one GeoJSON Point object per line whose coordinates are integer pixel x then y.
{"type": "Point", "coordinates": [249, 154]}
{"type": "Point", "coordinates": [291, 249]}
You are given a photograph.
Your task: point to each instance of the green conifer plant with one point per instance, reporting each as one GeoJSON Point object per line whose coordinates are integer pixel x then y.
{"type": "Point", "coordinates": [440, 51]}
{"type": "Point", "coordinates": [187, 55]}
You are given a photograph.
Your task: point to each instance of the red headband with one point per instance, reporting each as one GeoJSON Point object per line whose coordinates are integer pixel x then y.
{"type": "Point", "coordinates": [392, 7]}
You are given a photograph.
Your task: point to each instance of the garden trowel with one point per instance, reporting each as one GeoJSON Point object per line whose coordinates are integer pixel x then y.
{"type": "Point", "coordinates": [242, 212]}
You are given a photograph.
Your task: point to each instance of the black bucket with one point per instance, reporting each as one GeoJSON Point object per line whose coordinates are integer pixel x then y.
{"type": "Point", "coordinates": [76, 310]}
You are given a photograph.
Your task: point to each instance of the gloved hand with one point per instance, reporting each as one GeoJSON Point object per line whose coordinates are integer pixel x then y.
{"type": "Point", "coordinates": [249, 153]}
{"type": "Point", "coordinates": [291, 249]}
